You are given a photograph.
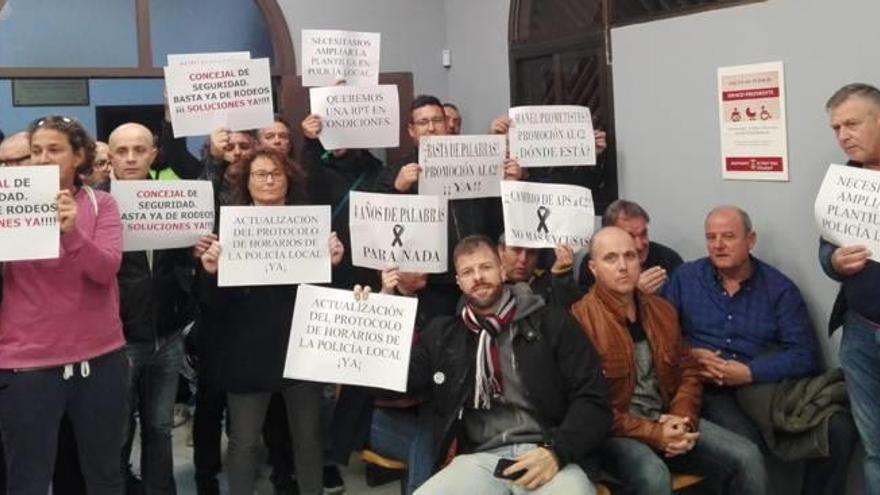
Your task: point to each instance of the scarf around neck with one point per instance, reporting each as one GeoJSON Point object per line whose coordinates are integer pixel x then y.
{"type": "Point", "coordinates": [488, 382]}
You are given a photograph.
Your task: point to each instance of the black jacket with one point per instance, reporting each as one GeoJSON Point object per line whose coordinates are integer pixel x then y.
{"type": "Point", "coordinates": [560, 373]}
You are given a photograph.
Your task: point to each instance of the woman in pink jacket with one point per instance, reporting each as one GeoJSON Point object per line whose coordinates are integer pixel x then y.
{"type": "Point", "coordinates": [60, 333]}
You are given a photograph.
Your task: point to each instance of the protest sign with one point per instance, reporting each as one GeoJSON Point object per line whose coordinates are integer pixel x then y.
{"type": "Point", "coordinates": [29, 213]}
{"type": "Point", "coordinates": [544, 215]}
{"type": "Point", "coordinates": [272, 245]}
{"type": "Point", "coordinates": [460, 167]}
{"type": "Point", "coordinates": [236, 94]}
{"type": "Point", "coordinates": [848, 208]}
{"type": "Point", "coordinates": [163, 214]}
{"type": "Point", "coordinates": [357, 117]}
{"type": "Point", "coordinates": [398, 229]}
{"type": "Point", "coordinates": [206, 58]}
{"type": "Point", "coordinates": [751, 100]}
{"type": "Point", "coordinates": [552, 135]}
{"type": "Point", "coordinates": [331, 56]}
{"type": "Point", "coordinates": [335, 339]}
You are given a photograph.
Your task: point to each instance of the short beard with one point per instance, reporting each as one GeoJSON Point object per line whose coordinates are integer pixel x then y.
{"type": "Point", "coordinates": [487, 303]}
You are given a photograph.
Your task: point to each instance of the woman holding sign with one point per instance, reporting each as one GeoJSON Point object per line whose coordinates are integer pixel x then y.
{"type": "Point", "coordinates": [254, 327]}
{"type": "Point", "coordinates": [60, 334]}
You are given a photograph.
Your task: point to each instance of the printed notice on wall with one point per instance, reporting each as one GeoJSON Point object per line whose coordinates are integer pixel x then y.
{"type": "Point", "coordinates": [544, 215]}
{"type": "Point", "coordinates": [751, 101]}
{"type": "Point", "coordinates": [29, 213]}
{"type": "Point", "coordinates": [329, 57]}
{"type": "Point", "coordinates": [460, 167]}
{"type": "Point", "coordinates": [403, 230]}
{"type": "Point", "coordinates": [336, 339]}
{"type": "Point", "coordinates": [848, 208]}
{"type": "Point", "coordinates": [162, 214]}
{"type": "Point", "coordinates": [552, 135]}
{"type": "Point", "coordinates": [357, 117]}
{"type": "Point", "coordinates": [274, 245]}
{"type": "Point", "coordinates": [236, 94]}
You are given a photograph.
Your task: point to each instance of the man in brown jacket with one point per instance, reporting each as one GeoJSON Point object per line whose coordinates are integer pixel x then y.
{"type": "Point", "coordinates": [655, 388]}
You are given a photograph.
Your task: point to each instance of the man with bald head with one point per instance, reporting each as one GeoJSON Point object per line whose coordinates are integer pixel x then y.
{"type": "Point", "coordinates": [15, 150]}
{"type": "Point", "coordinates": [154, 307]}
{"type": "Point", "coordinates": [747, 323]}
{"type": "Point", "coordinates": [654, 381]}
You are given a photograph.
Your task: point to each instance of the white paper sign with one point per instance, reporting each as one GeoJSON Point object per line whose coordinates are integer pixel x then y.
{"type": "Point", "coordinates": [235, 94]}
{"type": "Point", "coordinates": [335, 339]}
{"type": "Point", "coordinates": [544, 215]}
{"type": "Point", "coordinates": [162, 214]}
{"type": "Point", "coordinates": [331, 56]}
{"type": "Point", "coordinates": [751, 100]}
{"type": "Point", "coordinates": [406, 230]}
{"type": "Point", "coordinates": [206, 58]}
{"type": "Point", "coordinates": [274, 245]}
{"type": "Point", "coordinates": [848, 208]}
{"type": "Point", "coordinates": [29, 213]}
{"type": "Point", "coordinates": [552, 135]}
{"type": "Point", "coordinates": [460, 167]}
{"type": "Point", "coordinates": [357, 117]}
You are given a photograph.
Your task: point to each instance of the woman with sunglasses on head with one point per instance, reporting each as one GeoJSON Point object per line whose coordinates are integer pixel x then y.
{"type": "Point", "coordinates": [253, 327]}
{"type": "Point", "coordinates": [60, 334]}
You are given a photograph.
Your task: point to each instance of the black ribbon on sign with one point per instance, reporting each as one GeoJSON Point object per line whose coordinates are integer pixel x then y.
{"type": "Point", "coordinates": [397, 230]}
{"type": "Point", "coordinates": [543, 213]}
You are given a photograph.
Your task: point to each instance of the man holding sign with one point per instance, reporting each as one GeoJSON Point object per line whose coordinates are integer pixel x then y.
{"type": "Point", "coordinates": [855, 118]}
{"type": "Point", "coordinates": [155, 306]}
{"type": "Point", "coordinates": [515, 382]}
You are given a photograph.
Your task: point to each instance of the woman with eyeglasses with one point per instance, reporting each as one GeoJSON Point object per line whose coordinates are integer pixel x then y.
{"type": "Point", "coordinates": [253, 326]}
{"type": "Point", "coordinates": [60, 334]}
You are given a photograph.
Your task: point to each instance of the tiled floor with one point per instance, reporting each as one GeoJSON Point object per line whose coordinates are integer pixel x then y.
{"type": "Point", "coordinates": [183, 472]}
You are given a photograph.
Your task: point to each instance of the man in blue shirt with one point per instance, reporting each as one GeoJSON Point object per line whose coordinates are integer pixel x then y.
{"type": "Point", "coordinates": [854, 112]}
{"type": "Point", "coordinates": [747, 323]}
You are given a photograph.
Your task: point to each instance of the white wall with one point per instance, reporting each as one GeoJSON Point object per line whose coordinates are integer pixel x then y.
{"type": "Point", "coordinates": [667, 121]}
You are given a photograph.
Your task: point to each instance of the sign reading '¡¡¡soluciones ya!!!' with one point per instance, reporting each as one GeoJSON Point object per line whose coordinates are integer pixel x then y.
{"type": "Point", "coordinates": [274, 245]}
{"type": "Point", "coordinates": [29, 213]}
{"type": "Point", "coordinates": [161, 214]}
{"type": "Point", "coordinates": [336, 339]}
{"type": "Point", "coordinates": [233, 94]}
{"type": "Point", "coordinates": [545, 215]}
{"type": "Point", "coordinates": [552, 135]}
{"type": "Point", "coordinates": [848, 208]}
{"type": "Point", "coordinates": [402, 230]}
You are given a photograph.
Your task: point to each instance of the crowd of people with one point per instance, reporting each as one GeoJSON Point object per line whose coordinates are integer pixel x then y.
{"type": "Point", "coordinates": [545, 371]}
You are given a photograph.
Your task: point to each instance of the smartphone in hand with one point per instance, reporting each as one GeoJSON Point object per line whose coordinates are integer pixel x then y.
{"type": "Point", "coordinates": [504, 464]}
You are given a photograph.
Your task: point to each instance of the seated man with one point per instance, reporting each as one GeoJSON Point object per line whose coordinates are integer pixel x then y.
{"type": "Point", "coordinates": [510, 378]}
{"type": "Point", "coordinates": [657, 261]}
{"type": "Point", "coordinates": [747, 323]}
{"type": "Point", "coordinates": [654, 382]}
{"type": "Point", "coordinates": [555, 285]}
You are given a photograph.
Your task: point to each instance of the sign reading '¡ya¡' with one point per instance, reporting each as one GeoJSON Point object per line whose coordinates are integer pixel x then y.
{"type": "Point", "coordinates": [357, 117]}
{"type": "Point", "coordinates": [848, 208]}
{"type": "Point", "coordinates": [335, 339]}
{"type": "Point", "coordinates": [544, 215]}
{"type": "Point", "coordinates": [235, 94]}
{"type": "Point", "coordinates": [274, 245]}
{"type": "Point", "coordinates": [160, 214]}
{"type": "Point", "coordinates": [333, 56]}
{"type": "Point", "coordinates": [460, 167]}
{"type": "Point", "coordinates": [29, 213]}
{"type": "Point", "coordinates": [552, 135]}
{"type": "Point", "coordinates": [405, 230]}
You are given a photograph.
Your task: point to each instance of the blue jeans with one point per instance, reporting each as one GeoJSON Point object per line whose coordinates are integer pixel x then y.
{"type": "Point", "coordinates": [473, 473]}
{"type": "Point", "coordinates": [720, 454]}
{"type": "Point", "coordinates": [860, 359]}
{"type": "Point", "coordinates": [154, 377]}
{"type": "Point", "coordinates": [405, 434]}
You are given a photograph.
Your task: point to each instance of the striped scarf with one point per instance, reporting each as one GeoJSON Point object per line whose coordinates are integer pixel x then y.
{"type": "Point", "coordinates": [488, 381]}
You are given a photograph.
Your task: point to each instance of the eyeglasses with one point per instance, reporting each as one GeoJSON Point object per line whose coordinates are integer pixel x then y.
{"type": "Point", "coordinates": [264, 176]}
{"type": "Point", "coordinates": [242, 146]}
{"type": "Point", "coordinates": [53, 119]}
{"type": "Point", "coordinates": [437, 121]}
